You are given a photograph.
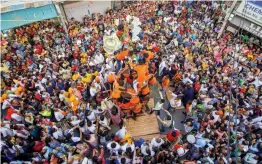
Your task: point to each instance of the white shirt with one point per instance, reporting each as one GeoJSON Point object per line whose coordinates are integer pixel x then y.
{"type": "Point", "coordinates": [58, 134]}
{"type": "Point", "coordinates": [92, 128]}
{"type": "Point", "coordinates": [16, 117]}
{"type": "Point", "coordinates": [187, 80]}
{"type": "Point", "coordinates": [126, 145]}
{"type": "Point", "coordinates": [104, 123]}
{"type": "Point", "coordinates": [75, 139]}
{"type": "Point", "coordinates": [6, 132]}
{"type": "Point", "coordinates": [143, 150]}
{"type": "Point", "coordinates": [158, 106]}
{"type": "Point", "coordinates": [115, 150]}
{"type": "Point", "coordinates": [59, 115]}
{"type": "Point", "coordinates": [91, 117]}
{"type": "Point", "coordinates": [154, 144]}
{"type": "Point", "coordinates": [93, 91]}
{"type": "Point", "coordinates": [121, 133]}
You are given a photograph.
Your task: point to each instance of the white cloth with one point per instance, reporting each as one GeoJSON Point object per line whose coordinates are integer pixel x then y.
{"type": "Point", "coordinates": [136, 29]}
{"type": "Point", "coordinates": [143, 150]}
{"type": "Point", "coordinates": [6, 132]}
{"type": "Point", "coordinates": [154, 144]}
{"type": "Point", "coordinates": [158, 106]}
{"type": "Point", "coordinates": [121, 133]}
{"type": "Point", "coordinates": [16, 117]}
{"type": "Point", "coordinates": [91, 117]}
{"type": "Point", "coordinates": [126, 145]}
{"type": "Point", "coordinates": [113, 150]}
{"type": "Point", "coordinates": [59, 115]}
{"type": "Point", "coordinates": [92, 128]}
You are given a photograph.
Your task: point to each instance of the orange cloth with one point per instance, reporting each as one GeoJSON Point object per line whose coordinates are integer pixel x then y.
{"type": "Point", "coordinates": [150, 55]}
{"type": "Point", "coordinates": [165, 82]}
{"type": "Point", "coordinates": [142, 71]}
{"type": "Point", "coordinates": [220, 113]}
{"type": "Point", "coordinates": [137, 108]}
{"type": "Point", "coordinates": [145, 90]}
{"type": "Point", "coordinates": [151, 79]}
{"type": "Point", "coordinates": [134, 100]}
{"type": "Point", "coordinates": [122, 55]}
{"type": "Point", "coordinates": [116, 94]}
{"type": "Point", "coordinates": [110, 78]}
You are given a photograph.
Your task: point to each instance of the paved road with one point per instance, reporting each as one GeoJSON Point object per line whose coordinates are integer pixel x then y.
{"type": "Point", "coordinates": [177, 115]}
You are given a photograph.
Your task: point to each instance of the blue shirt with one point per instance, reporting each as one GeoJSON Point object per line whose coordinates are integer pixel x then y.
{"type": "Point", "coordinates": [139, 142]}
{"type": "Point", "coordinates": [141, 35]}
{"type": "Point", "coordinates": [194, 37]}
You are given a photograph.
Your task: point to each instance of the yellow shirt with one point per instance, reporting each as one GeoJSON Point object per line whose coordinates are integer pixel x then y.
{"type": "Point", "coordinates": [87, 79]}
{"type": "Point", "coordinates": [204, 65]}
{"type": "Point", "coordinates": [189, 57]}
{"type": "Point", "coordinates": [4, 68]}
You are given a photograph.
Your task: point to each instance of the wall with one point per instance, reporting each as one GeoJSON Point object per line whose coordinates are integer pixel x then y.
{"type": "Point", "coordinates": [27, 16]}
{"type": "Point", "coordinates": [79, 9]}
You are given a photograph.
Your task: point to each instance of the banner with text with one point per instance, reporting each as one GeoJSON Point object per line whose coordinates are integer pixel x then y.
{"type": "Point", "coordinates": [251, 10]}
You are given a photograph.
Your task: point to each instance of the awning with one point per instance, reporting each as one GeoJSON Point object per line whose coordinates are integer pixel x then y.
{"type": "Point", "coordinates": [247, 25]}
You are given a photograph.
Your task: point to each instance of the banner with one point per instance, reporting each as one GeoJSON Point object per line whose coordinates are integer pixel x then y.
{"type": "Point", "coordinates": [251, 10]}
{"type": "Point", "coordinates": [22, 17]}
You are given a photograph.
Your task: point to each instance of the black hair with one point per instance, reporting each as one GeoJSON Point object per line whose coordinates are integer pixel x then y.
{"type": "Point", "coordinates": [114, 111]}
{"type": "Point", "coordinates": [148, 151]}
{"type": "Point", "coordinates": [102, 117]}
{"type": "Point", "coordinates": [128, 150]}
{"type": "Point", "coordinates": [95, 159]}
{"type": "Point", "coordinates": [89, 123]}
{"type": "Point", "coordinates": [123, 160]}
{"type": "Point", "coordinates": [168, 117]}
{"type": "Point", "coordinates": [108, 138]}
{"type": "Point", "coordinates": [113, 145]}
{"type": "Point", "coordinates": [158, 140]}
{"type": "Point", "coordinates": [212, 117]}
{"type": "Point", "coordinates": [47, 140]}
{"type": "Point", "coordinates": [173, 133]}
{"type": "Point", "coordinates": [87, 137]}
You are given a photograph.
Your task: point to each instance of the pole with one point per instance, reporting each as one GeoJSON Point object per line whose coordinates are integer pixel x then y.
{"type": "Point", "coordinates": [226, 18]}
{"type": "Point", "coordinates": [62, 19]}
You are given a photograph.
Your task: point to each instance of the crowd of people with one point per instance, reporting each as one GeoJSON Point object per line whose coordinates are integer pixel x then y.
{"type": "Point", "coordinates": [64, 95]}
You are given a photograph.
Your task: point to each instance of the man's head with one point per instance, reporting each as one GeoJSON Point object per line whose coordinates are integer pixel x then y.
{"type": "Point", "coordinates": [113, 145]}
{"type": "Point", "coordinates": [173, 133]}
{"type": "Point", "coordinates": [168, 117]}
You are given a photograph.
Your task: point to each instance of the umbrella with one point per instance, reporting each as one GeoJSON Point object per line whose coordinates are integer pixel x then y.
{"type": "Point", "coordinates": [111, 43]}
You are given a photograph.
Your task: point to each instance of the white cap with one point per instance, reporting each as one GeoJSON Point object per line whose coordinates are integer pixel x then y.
{"type": "Point", "coordinates": [181, 151]}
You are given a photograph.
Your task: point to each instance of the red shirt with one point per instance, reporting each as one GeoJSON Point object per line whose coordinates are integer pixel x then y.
{"type": "Point", "coordinates": [171, 138]}
{"type": "Point", "coordinates": [242, 90]}
{"type": "Point", "coordinates": [29, 61]}
{"type": "Point", "coordinates": [197, 87]}
{"type": "Point", "coordinates": [39, 48]}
